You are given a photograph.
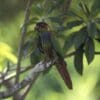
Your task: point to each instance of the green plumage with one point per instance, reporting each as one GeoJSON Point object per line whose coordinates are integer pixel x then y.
{"type": "Point", "coordinates": [49, 44]}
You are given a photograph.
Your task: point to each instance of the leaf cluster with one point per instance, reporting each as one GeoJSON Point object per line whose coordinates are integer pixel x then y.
{"type": "Point", "coordinates": [78, 29]}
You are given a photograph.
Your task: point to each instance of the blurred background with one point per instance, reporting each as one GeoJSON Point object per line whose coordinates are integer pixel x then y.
{"type": "Point", "coordinates": [49, 86]}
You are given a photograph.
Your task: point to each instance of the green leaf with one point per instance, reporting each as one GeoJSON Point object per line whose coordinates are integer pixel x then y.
{"type": "Point", "coordinates": [91, 28]}
{"type": "Point", "coordinates": [98, 20]}
{"type": "Point", "coordinates": [33, 20]}
{"type": "Point", "coordinates": [69, 42]}
{"type": "Point", "coordinates": [84, 8]}
{"type": "Point", "coordinates": [89, 50]}
{"type": "Point", "coordinates": [51, 5]}
{"type": "Point", "coordinates": [95, 12]}
{"type": "Point", "coordinates": [80, 38]}
{"type": "Point", "coordinates": [87, 9]}
{"type": "Point", "coordinates": [60, 29]}
{"type": "Point", "coordinates": [37, 9]}
{"type": "Point", "coordinates": [55, 19]}
{"type": "Point", "coordinates": [74, 23]}
{"type": "Point", "coordinates": [78, 60]}
{"type": "Point", "coordinates": [95, 6]}
{"type": "Point", "coordinates": [74, 14]}
{"type": "Point", "coordinates": [6, 54]}
{"type": "Point", "coordinates": [97, 38]}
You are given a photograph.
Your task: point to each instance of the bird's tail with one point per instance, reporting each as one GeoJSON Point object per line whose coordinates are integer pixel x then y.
{"type": "Point", "coordinates": [62, 69]}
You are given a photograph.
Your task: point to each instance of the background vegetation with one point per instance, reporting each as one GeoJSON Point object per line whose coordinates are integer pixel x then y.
{"type": "Point", "coordinates": [77, 30]}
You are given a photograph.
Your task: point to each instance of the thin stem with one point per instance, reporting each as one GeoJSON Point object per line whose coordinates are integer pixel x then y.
{"type": "Point", "coordinates": [97, 53]}
{"type": "Point", "coordinates": [11, 76]}
{"type": "Point", "coordinates": [70, 54]}
{"type": "Point", "coordinates": [73, 53]}
{"type": "Point", "coordinates": [23, 34]}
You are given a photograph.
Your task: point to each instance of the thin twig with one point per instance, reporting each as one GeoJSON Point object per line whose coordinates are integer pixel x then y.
{"type": "Point", "coordinates": [97, 53]}
{"type": "Point", "coordinates": [13, 75]}
{"type": "Point", "coordinates": [24, 29]}
{"type": "Point", "coordinates": [70, 54]}
{"type": "Point", "coordinates": [73, 53]}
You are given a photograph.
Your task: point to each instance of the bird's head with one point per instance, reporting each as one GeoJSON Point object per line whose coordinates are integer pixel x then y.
{"type": "Point", "coordinates": [41, 26]}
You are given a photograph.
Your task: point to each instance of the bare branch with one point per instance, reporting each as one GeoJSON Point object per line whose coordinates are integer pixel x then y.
{"type": "Point", "coordinates": [28, 89]}
{"type": "Point", "coordinates": [40, 67]}
{"type": "Point", "coordinates": [24, 29]}
{"type": "Point", "coordinates": [13, 74]}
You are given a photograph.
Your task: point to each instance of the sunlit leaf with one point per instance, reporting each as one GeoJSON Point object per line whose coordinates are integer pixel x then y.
{"type": "Point", "coordinates": [6, 54]}
{"type": "Point", "coordinates": [84, 8]}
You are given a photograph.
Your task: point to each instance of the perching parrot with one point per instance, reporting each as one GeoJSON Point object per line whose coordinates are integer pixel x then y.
{"type": "Point", "coordinates": [48, 47]}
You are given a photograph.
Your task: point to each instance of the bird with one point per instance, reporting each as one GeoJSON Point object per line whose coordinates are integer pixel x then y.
{"type": "Point", "coordinates": [49, 47]}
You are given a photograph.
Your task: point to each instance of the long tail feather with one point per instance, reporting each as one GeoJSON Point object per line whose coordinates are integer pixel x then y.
{"type": "Point", "coordinates": [62, 69]}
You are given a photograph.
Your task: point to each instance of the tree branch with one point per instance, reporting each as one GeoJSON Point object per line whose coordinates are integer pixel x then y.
{"type": "Point", "coordinates": [73, 53]}
{"type": "Point", "coordinates": [25, 69]}
{"type": "Point", "coordinates": [28, 89]}
{"type": "Point", "coordinates": [13, 75]}
{"type": "Point", "coordinates": [24, 29]}
{"type": "Point", "coordinates": [32, 76]}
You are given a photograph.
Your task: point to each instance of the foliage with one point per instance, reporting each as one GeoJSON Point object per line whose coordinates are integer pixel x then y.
{"type": "Point", "coordinates": [77, 29]}
{"type": "Point", "coordinates": [86, 18]}
{"type": "Point", "coordinates": [6, 55]}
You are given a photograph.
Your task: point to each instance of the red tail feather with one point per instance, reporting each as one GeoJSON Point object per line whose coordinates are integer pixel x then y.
{"type": "Point", "coordinates": [62, 69]}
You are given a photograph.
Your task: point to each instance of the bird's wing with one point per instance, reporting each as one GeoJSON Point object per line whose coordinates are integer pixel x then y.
{"type": "Point", "coordinates": [56, 46]}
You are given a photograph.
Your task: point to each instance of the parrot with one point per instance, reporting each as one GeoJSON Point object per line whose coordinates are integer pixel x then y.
{"type": "Point", "coordinates": [48, 46]}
